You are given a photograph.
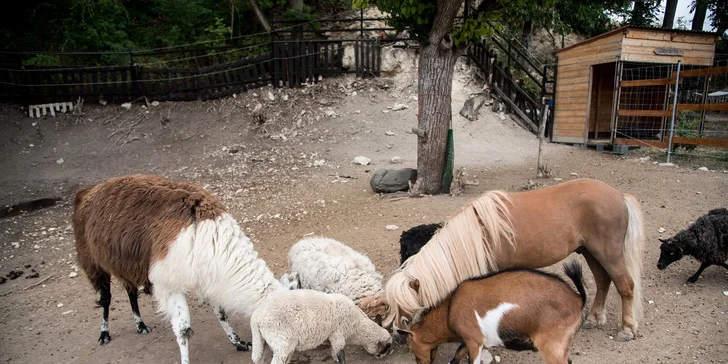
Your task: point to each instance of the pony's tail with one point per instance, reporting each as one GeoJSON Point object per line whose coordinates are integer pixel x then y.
{"type": "Point", "coordinates": [634, 241]}
{"type": "Point", "coordinates": [258, 342]}
{"type": "Point", "coordinates": [574, 272]}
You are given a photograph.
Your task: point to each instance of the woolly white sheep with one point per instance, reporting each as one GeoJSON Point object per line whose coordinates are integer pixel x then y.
{"type": "Point", "coordinates": [299, 320]}
{"type": "Point", "coordinates": [327, 265]}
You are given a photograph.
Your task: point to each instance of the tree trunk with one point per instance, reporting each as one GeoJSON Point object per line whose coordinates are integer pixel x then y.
{"type": "Point", "coordinates": [701, 8]}
{"type": "Point", "coordinates": [526, 34]}
{"type": "Point", "coordinates": [435, 114]}
{"type": "Point", "coordinates": [434, 77]}
{"type": "Point", "coordinates": [261, 18]}
{"type": "Point", "coordinates": [669, 20]}
{"type": "Point", "coordinates": [296, 4]}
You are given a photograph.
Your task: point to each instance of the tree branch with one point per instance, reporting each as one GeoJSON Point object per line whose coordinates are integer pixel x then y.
{"type": "Point", "coordinates": [444, 18]}
{"type": "Point", "coordinates": [261, 18]}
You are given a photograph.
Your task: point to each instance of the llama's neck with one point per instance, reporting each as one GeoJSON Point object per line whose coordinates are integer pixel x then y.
{"type": "Point", "coordinates": [229, 270]}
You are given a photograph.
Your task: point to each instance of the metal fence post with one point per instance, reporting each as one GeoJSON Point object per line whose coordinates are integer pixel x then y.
{"type": "Point", "coordinates": [674, 111]}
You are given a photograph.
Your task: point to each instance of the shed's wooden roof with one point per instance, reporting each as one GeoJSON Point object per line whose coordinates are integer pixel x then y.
{"type": "Point", "coordinates": [626, 28]}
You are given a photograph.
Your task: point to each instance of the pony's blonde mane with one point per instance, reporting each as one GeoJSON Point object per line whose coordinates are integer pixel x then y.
{"type": "Point", "coordinates": [466, 246]}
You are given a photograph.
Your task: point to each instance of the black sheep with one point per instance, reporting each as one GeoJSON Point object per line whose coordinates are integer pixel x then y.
{"type": "Point", "coordinates": [706, 240]}
{"type": "Point", "coordinates": [412, 240]}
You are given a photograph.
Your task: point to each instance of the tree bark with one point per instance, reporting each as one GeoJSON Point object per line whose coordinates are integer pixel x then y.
{"type": "Point", "coordinates": [434, 78]}
{"type": "Point", "coordinates": [435, 113]}
{"type": "Point", "coordinates": [526, 34]}
{"type": "Point", "coordinates": [296, 4]}
{"type": "Point", "coordinates": [668, 21]}
{"type": "Point", "coordinates": [261, 18]}
{"type": "Point", "coordinates": [701, 9]}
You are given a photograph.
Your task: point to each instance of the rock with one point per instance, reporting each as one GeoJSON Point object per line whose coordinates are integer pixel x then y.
{"type": "Point", "coordinates": [651, 302]}
{"type": "Point", "coordinates": [126, 105]}
{"type": "Point", "coordinates": [59, 305]}
{"type": "Point", "coordinates": [285, 97]}
{"type": "Point", "coordinates": [725, 293]}
{"type": "Point", "coordinates": [258, 107]}
{"type": "Point", "coordinates": [661, 230]}
{"type": "Point", "coordinates": [102, 102]}
{"type": "Point", "coordinates": [73, 275]}
{"type": "Point", "coordinates": [271, 97]}
{"type": "Point", "coordinates": [357, 111]}
{"type": "Point", "coordinates": [395, 160]}
{"type": "Point", "coordinates": [392, 180]}
{"type": "Point", "coordinates": [704, 169]}
{"type": "Point", "coordinates": [502, 116]}
{"type": "Point", "coordinates": [472, 106]}
{"type": "Point", "coordinates": [398, 107]}
{"type": "Point", "coordinates": [558, 179]}
{"type": "Point", "coordinates": [155, 103]}
{"type": "Point", "coordinates": [573, 174]}
{"type": "Point", "coordinates": [666, 164]}
{"type": "Point", "coordinates": [319, 162]}
{"type": "Point", "coordinates": [644, 159]}
{"type": "Point", "coordinates": [330, 113]}
{"type": "Point", "coordinates": [324, 102]}
{"type": "Point", "coordinates": [391, 227]}
{"type": "Point", "coordinates": [353, 93]}
{"type": "Point", "coordinates": [389, 133]}
{"type": "Point", "coordinates": [361, 160]}
{"type": "Point", "coordinates": [60, 161]}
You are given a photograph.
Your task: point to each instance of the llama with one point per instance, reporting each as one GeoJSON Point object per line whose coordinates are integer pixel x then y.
{"type": "Point", "coordinates": [412, 240]}
{"type": "Point", "coordinates": [706, 240]}
{"type": "Point", "coordinates": [518, 308]}
{"type": "Point", "coordinates": [327, 265]}
{"type": "Point", "coordinates": [173, 238]}
{"type": "Point", "coordinates": [304, 319]}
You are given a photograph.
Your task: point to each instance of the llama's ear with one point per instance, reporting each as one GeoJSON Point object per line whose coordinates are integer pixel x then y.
{"type": "Point", "coordinates": [662, 240]}
{"type": "Point", "coordinates": [404, 333]}
{"type": "Point", "coordinates": [378, 320]}
{"type": "Point", "coordinates": [415, 285]}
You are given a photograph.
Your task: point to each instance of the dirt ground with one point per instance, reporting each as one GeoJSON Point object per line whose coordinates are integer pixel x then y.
{"type": "Point", "coordinates": [287, 174]}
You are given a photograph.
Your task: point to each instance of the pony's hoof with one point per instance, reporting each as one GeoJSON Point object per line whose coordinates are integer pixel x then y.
{"type": "Point", "coordinates": [244, 346]}
{"type": "Point", "coordinates": [105, 338]}
{"type": "Point", "coordinates": [588, 325]}
{"type": "Point", "coordinates": [692, 279]}
{"type": "Point", "coordinates": [622, 337]}
{"type": "Point", "coordinates": [143, 329]}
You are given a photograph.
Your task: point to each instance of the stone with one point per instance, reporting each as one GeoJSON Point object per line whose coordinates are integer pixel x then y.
{"type": "Point", "coordinates": [60, 161]}
{"type": "Point", "coordinates": [392, 180]}
{"type": "Point", "coordinates": [73, 275]}
{"type": "Point", "coordinates": [258, 107]}
{"type": "Point", "coordinates": [472, 106]}
{"type": "Point", "coordinates": [391, 227]}
{"type": "Point", "coordinates": [126, 105]}
{"type": "Point", "coordinates": [661, 230]}
{"type": "Point", "coordinates": [271, 97]}
{"type": "Point", "coordinates": [361, 160]}
{"type": "Point", "coordinates": [666, 165]}
{"type": "Point", "coordinates": [155, 103]}
{"type": "Point", "coordinates": [704, 169]}
{"type": "Point", "coordinates": [319, 162]}
{"type": "Point", "coordinates": [398, 107]}
{"type": "Point", "coordinates": [330, 113]}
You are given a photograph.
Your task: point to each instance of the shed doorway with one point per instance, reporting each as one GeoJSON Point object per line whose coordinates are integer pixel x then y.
{"type": "Point", "coordinates": [601, 103]}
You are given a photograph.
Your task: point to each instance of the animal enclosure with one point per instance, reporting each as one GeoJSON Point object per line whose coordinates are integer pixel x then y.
{"type": "Point", "coordinates": [606, 91]}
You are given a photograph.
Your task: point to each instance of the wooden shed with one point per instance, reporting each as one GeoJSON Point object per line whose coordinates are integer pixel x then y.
{"type": "Point", "coordinates": [588, 76]}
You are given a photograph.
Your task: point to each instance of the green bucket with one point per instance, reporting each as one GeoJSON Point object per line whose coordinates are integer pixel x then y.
{"type": "Point", "coordinates": [449, 162]}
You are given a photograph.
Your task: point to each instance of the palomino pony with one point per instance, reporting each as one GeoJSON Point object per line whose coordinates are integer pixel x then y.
{"type": "Point", "coordinates": [532, 229]}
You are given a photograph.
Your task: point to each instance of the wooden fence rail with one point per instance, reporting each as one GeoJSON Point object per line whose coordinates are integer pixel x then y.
{"type": "Point", "coordinates": [288, 63]}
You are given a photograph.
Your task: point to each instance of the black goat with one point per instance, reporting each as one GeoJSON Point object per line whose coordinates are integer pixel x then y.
{"type": "Point", "coordinates": [706, 240]}
{"type": "Point", "coordinates": [412, 240]}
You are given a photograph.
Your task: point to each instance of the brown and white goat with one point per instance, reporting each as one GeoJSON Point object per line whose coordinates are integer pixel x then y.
{"type": "Point", "coordinates": [520, 309]}
{"type": "Point", "coordinates": [173, 238]}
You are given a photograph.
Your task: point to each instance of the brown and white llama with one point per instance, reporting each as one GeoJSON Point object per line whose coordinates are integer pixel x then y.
{"type": "Point", "coordinates": [518, 308]}
{"type": "Point", "coordinates": [173, 238]}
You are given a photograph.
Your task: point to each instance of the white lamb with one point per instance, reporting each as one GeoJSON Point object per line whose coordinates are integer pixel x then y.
{"type": "Point", "coordinates": [298, 320]}
{"type": "Point", "coordinates": [327, 265]}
